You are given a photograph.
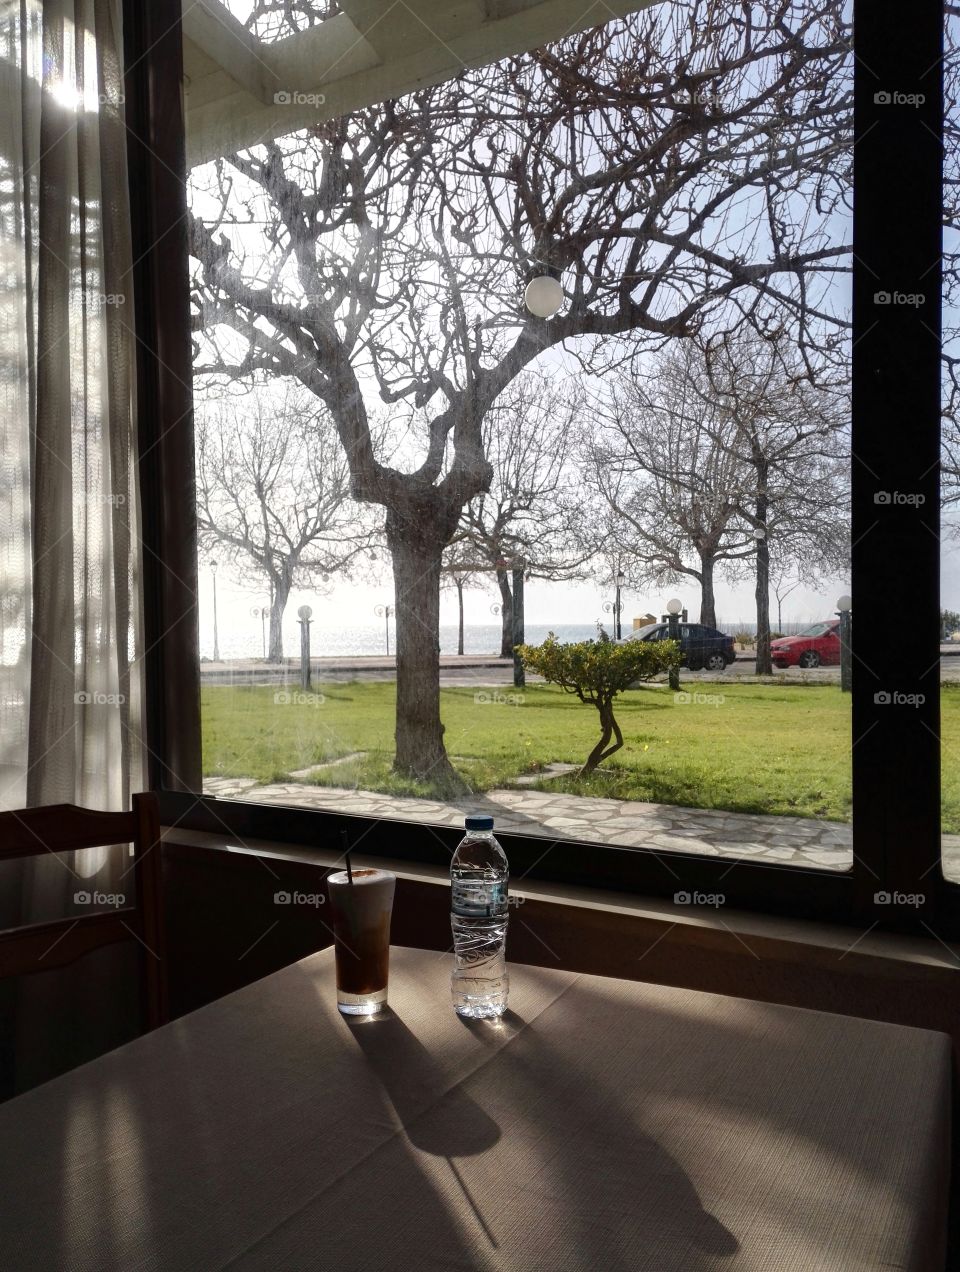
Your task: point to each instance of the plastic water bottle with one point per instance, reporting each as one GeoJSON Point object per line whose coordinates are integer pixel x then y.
{"type": "Point", "coordinates": [479, 874]}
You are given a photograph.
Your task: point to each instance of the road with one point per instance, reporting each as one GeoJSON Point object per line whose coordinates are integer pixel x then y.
{"type": "Point", "coordinates": [478, 671]}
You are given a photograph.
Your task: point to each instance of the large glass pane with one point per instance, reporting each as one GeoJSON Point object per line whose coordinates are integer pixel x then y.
{"type": "Point", "coordinates": [538, 349]}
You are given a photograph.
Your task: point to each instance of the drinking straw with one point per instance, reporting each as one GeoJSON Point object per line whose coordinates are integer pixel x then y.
{"type": "Point", "coordinates": [345, 840]}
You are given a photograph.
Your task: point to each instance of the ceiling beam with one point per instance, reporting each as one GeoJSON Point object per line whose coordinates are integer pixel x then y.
{"type": "Point", "coordinates": [370, 51]}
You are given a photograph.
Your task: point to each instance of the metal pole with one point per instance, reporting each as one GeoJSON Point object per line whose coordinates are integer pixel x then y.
{"type": "Point", "coordinates": [304, 652]}
{"type": "Point", "coordinates": [846, 653]}
{"type": "Point", "coordinates": [216, 638]}
{"type": "Point", "coordinates": [386, 627]}
{"type": "Point", "coordinates": [674, 621]}
{"type": "Point", "coordinates": [616, 621]}
{"type": "Point", "coordinates": [519, 680]}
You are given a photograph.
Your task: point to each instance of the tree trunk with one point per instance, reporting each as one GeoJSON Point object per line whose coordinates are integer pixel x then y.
{"type": "Point", "coordinates": [708, 604]}
{"type": "Point", "coordinates": [459, 583]}
{"type": "Point", "coordinates": [602, 751]}
{"type": "Point", "coordinates": [278, 603]}
{"type": "Point", "coordinates": [506, 614]}
{"type": "Point", "coordinates": [764, 662]}
{"type": "Point", "coordinates": [416, 544]}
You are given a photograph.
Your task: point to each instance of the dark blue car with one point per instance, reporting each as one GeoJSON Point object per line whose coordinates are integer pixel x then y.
{"type": "Point", "coordinates": [700, 647]}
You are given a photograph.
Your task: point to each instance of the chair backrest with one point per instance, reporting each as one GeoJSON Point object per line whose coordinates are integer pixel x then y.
{"type": "Point", "coordinates": [56, 828]}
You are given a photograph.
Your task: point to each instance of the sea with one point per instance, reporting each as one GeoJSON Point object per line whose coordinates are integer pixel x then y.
{"type": "Point", "coordinates": [245, 641]}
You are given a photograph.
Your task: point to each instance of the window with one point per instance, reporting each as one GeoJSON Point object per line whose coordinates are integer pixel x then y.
{"type": "Point", "coordinates": [418, 320]}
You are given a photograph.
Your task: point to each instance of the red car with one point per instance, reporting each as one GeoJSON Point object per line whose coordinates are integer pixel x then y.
{"type": "Point", "coordinates": [818, 646]}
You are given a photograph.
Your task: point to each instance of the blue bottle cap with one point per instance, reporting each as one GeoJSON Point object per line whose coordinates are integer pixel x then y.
{"type": "Point", "coordinates": [478, 821]}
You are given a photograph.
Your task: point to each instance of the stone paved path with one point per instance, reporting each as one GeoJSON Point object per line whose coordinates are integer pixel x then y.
{"type": "Point", "coordinates": [795, 840]}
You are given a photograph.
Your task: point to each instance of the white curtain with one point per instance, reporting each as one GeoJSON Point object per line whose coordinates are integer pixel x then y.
{"type": "Point", "coordinates": [70, 644]}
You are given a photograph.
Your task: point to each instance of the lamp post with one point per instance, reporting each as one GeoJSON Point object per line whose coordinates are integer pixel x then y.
{"type": "Point", "coordinates": [386, 613]}
{"type": "Point", "coordinates": [303, 618]}
{"type": "Point", "coordinates": [618, 607]}
{"type": "Point", "coordinates": [216, 636]}
{"type": "Point", "coordinates": [673, 612]}
{"type": "Point", "coordinates": [261, 612]}
{"type": "Point", "coordinates": [844, 607]}
{"type": "Point", "coordinates": [517, 635]}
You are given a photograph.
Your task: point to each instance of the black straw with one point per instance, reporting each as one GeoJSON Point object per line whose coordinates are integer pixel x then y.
{"type": "Point", "coordinates": [345, 840]}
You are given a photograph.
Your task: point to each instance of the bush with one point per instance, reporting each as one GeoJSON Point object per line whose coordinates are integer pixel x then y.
{"type": "Point", "coordinates": [596, 671]}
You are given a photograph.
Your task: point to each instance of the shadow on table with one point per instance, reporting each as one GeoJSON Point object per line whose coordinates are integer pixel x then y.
{"type": "Point", "coordinates": [454, 1127]}
{"type": "Point", "coordinates": [604, 1181]}
{"type": "Point", "coordinates": [627, 1196]}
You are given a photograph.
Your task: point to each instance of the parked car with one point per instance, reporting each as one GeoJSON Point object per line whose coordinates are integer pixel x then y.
{"type": "Point", "coordinates": [700, 647]}
{"type": "Point", "coordinates": [818, 646]}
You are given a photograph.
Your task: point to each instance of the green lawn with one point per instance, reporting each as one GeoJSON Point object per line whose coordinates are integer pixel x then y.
{"type": "Point", "coordinates": [764, 748]}
{"type": "Point", "coordinates": [768, 748]}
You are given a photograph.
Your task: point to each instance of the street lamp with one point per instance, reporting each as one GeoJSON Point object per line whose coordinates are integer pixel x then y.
{"type": "Point", "coordinates": [385, 612]}
{"type": "Point", "coordinates": [673, 610]}
{"type": "Point", "coordinates": [216, 637]}
{"type": "Point", "coordinates": [621, 579]}
{"type": "Point", "coordinates": [261, 612]}
{"type": "Point", "coordinates": [304, 614]}
{"type": "Point", "coordinates": [844, 606]}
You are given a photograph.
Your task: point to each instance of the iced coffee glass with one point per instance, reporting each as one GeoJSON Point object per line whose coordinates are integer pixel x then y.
{"type": "Point", "coordinates": [360, 909]}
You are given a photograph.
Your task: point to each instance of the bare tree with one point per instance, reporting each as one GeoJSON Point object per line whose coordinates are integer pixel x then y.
{"type": "Point", "coordinates": [664, 462]}
{"type": "Point", "coordinates": [459, 573]}
{"type": "Point", "coordinates": [531, 511]}
{"type": "Point", "coordinates": [789, 436]}
{"type": "Point", "coordinates": [678, 168]}
{"type": "Point", "coordinates": [273, 491]}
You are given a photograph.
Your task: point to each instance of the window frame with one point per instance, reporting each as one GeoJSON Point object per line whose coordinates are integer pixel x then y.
{"type": "Point", "coordinates": [895, 374]}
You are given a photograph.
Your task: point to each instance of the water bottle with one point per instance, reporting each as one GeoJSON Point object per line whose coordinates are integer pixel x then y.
{"type": "Point", "coordinates": [479, 874]}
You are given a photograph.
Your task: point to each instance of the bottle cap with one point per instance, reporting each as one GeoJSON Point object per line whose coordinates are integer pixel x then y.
{"type": "Point", "coordinates": [478, 821]}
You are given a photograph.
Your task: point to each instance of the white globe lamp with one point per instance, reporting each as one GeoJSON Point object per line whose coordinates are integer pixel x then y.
{"type": "Point", "coordinates": [543, 296]}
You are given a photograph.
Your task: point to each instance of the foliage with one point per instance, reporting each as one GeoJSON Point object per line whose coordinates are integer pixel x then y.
{"type": "Point", "coordinates": [596, 671]}
{"type": "Point", "coordinates": [949, 623]}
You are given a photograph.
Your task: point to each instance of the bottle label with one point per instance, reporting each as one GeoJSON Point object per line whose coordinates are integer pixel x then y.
{"type": "Point", "coordinates": [479, 900]}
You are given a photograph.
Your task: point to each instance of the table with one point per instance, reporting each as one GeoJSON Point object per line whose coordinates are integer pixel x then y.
{"type": "Point", "coordinates": [603, 1124]}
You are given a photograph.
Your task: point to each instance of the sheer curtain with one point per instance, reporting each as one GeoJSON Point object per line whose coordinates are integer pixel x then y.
{"type": "Point", "coordinates": [70, 694]}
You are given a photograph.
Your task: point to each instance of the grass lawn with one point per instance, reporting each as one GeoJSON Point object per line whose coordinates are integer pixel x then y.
{"type": "Point", "coordinates": [770, 748]}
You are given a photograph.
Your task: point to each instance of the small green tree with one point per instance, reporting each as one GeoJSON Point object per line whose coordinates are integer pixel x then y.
{"type": "Point", "coordinates": [596, 671]}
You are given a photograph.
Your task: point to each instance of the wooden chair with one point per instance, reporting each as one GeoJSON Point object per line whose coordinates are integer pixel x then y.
{"type": "Point", "coordinates": [66, 828]}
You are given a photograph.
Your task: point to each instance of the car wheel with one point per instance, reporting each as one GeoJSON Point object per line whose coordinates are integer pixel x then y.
{"type": "Point", "coordinates": [715, 662]}
{"type": "Point", "coordinates": [809, 658]}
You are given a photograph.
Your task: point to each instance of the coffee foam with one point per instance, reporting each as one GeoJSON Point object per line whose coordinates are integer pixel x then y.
{"type": "Point", "coordinates": [366, 878]}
